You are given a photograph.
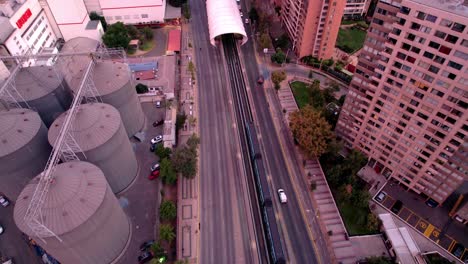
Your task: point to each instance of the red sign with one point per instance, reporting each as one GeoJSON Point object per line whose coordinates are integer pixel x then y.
{"type": "Point", "coordinates": [24, 18]}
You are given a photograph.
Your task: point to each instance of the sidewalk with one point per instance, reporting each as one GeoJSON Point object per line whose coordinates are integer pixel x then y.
{"type": "Point", "coordinates": [188, 222]}
{"type": "Point", "coordinates": [322, 197]}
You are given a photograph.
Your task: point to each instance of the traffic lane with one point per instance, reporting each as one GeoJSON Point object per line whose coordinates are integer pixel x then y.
{"type": "Point", "coordinates": [12, 243]}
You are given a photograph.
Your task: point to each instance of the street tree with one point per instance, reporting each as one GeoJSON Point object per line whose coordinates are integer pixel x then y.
{"type": "Point", "coordinates": [162, 152]}
{"type": "Point", "coordinates": [317, 100]}
{"type": "Point", "coordinates": [311, 131]}
{"type": "Point", "coordinates": [167, 211]}
{"type": "Point", "coordinates": [180, 120]}
{"type": "Point", "coordinates": [166, 233]}
{"type": "Point", "coordinates": [157, 250]}
{"type": "Point", "coordinates": [279, 57]}
{"type": "Point", "coordinates": [147, 32]}
{"type": "Point", "coordinates": [277, 77]}
{"type": "Point", "coordinates": [193, 141]}
{"type": "Point", "coordinates": [167, 172]}
{"type": "Point", "coordinates": [185, 161]}
{"type": "Point", "coordinates": [141, 88]}
{"type": "Point", "coordinates": [186, 11]}
{"type": "Point", "coordinates": [253, 14]}
{"type": "Point", "coordinates": [372, 222]}
{"type": "Point", "coordinates": [133, 31]}
{"type": "Point", "coordinates": [116, 36]}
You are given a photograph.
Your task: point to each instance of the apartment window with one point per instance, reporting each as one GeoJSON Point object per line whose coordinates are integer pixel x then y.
{"type": "Point", "coordinates": [434, 69]}
{"type": "Point", "coordinates": [465, 43]}
{"type": "Point", "coordinates": [428, 55]}
{"type": "Point", "coordinates": [449, 75]}
{"type": "Point", "coordinates": [455, 65]}
{"type": "Point", "coordinates": [415, 50]}
{"type": "Point", "coordinates": [410, 36]}
{"type": "Point", "coordinates": [434, 45]}
{"type": "Point", "coordinates": [415, 26]}
{"type": "Point", "coordinates": [446, 23]}
{"type": "Point", "coordinates": [458, 27]}
{"type": "Point", "coordinates": [431, 18]}
{"type": "Point", "coordinates": [402, 21]}
{"type": "Point", "coordinates": [406, 46]}
{"type": "Point", "coordinates": [451, 39]}
{"type": "Point", "coordinates": [405, 10]}
{"type": "Point", "coordinates": [118, 17]}
{"type": "Point", "coordinates": [439, 59]}
{"type": "Point", "coordinates": [144, 15]}
{"type": "Point", "coordinates": [109, 18]}
{"type": "Point", "coordinates": [461, 55]}
{"type": "Point", "coordinates": [445, 50]}
{"type": "Point", "coordinates": [440, 34]}
{"type": "Point", "coordinates": [421, 15]}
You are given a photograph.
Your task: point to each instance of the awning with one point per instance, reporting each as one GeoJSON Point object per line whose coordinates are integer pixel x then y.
{"type": "Point", "coordinates": [174, 41]}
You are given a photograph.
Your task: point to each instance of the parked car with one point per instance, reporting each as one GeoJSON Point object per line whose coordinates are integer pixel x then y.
{"type": "Point", "coordinates": [381, 196]}
{"type": "Point", "coordinates": [397, 207]}
{"type": "Point", "coordinates": [158, 123]}
{"type": "Point", "coordinates": [282, 196]}
{"type": "Point", "coordinates": [146, 245]}
{"type": "Point", "coordinates": [1, 229]}
{"type": "Point", "coordinates": [4, 201]}
{"type": "Point", "coordinates": [158, 104]}
{"type": "Point", "coordinates": [155, 167]}
{"type": "Point", "coordinates": [145, 257]}
{"type": "Point", "coordinates": [242, 14]}
{"type": "Point", "coordinates": [153, 175]}
{"type": "Point", "coordinates": [156, 139]}
{"type": "Point", "coordinates": [431, 203]}
{"type": "Point", "coordinates": [260, 79]}
{"type": "Point", "coordinates": [153, 147]}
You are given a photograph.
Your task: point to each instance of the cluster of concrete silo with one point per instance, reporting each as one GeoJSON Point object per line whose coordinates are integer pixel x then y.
{"type": "Point", "coordinates": [80, 207]}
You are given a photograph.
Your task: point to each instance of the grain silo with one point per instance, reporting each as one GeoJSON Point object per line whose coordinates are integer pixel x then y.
{"type": "Point", "coordinates": [44, 91]}
{"type": "Point", "coordinates": [82, 211]}
{"type": "Point", "coordinates": [24, 149]}
{"type": "Point", "coordinates": [98, 130]}
{"type": "Point", "coordinates": [112, 80]}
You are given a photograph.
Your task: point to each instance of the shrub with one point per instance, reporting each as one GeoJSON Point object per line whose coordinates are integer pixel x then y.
{"type": "Point", "coordinates": [141, 88]}
{"type": "Point", "coordinates": [167, 211]}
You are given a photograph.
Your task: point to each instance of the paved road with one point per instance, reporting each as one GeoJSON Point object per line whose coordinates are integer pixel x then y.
{"type": "Point", "coordinates": [296, 240]}
{"type": "Point", "coordinates": [224, 214]}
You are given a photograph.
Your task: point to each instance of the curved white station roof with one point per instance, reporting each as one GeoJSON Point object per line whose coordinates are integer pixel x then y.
{"type": "Point", "coordinates": [224, 18]}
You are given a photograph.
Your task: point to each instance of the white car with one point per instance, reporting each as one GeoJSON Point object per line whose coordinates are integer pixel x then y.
{"type": "Point", "coordinates": [155, 167]}
{"type": "Point", "coordinates": [1, 229]}
{"type": "Point", "coordinates": [156, 139]}
{"type": "Point", "coordinates": [282, 196]}
{"type": "Point", "coordinates": [4, 201]}
{"type": "Point", "coordinates": [158, 104]}
{"type": "Point", "coordinates": [242, 14]}
{"type": "Point", "coordinates": [381, 196]}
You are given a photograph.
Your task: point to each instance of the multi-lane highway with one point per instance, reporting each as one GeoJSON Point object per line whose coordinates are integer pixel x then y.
{"type": "Point", "coordinates": [227, 233]}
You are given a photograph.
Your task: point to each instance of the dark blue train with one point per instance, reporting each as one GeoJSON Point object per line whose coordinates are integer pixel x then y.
{"type": "Point", "coordinates": [264, 196]}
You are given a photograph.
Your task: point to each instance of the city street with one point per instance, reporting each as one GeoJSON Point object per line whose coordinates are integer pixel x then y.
{"type": "Point", "coordinates": [225, 218]}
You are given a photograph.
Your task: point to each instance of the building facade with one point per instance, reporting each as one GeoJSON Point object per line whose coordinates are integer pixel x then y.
{"type": "Point", "coordinates": [312, 26]}
{"type": "Point", "coordinates": [406, 106]}
{"type": "Point", "coordinates": [129, 11]}
{"type": "Point", "coordinates": [355, 8]}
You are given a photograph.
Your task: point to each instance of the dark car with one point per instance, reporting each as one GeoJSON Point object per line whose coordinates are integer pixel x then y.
{"type": "Point", "coordinates": [260, 79]}
{"type": "Point", "coordinates": [397, 207]}
{"type": "Point", "coordinates": [158, 123]}
{"type": "Point", "coordinates": [153, 147]}
{"type": "Point", "coordinates": [144, 257]}
{"type": "Point", "coordinates": [431, 203]}
{"type": "Point", "coordinates": [146, 245]}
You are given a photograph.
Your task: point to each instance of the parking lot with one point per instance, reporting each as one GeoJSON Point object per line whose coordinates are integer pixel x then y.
{"type": "Point", "coordinates": [433, 223]}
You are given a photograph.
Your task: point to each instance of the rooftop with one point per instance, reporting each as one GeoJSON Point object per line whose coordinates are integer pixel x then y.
{"type": "Point", "coordinates": [92, 24]}
{"type": "Point", "coordinates": [459, 7]}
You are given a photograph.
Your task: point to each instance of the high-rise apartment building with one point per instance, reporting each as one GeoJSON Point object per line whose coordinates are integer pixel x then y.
{"type": "Point", "coordinates": [407, 104]}
{"type": "Point", "coordinates": [312, 26]}
{"type": "Point", "coordinates": [355, 8]}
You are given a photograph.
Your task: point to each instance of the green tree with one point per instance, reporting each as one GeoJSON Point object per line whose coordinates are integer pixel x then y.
{"type": "Point", "coordinates": [141, 88]}
{"type": "Point", "coordinates": [372, 222]}
{"type": "Point", "coordinates": [133, 31]}
{"type": "Point", "coordinates": [193, 141]}
{"type": "Point", "coordinates": [186, 11]}
{"type": "Point", "coordinates": [166, 233]}
{"type": "Point", "coordinates": [355, 161]}
{"type": "Point", "coordinates": [264, 41]}
{"type": "Point", "coordinates": [162, 152]}
{"type": "Point", "coordinates": [157, 250]}
{"type": "Point", "coordinates": [360, 198]}
{"type": "Point", "coordinates": [167, 172]}
{"type": "Point", "coordinates": [191, 67]}
{"type": "Point", "coordinates": [311, 131]}
{"type": "Point", "coordinates": [167, 211]}
{"type": "Point", "coordinates": [279, 57]}
{"type": "Point", "coordinates": [253, 14]}
{"type": "Point", "coordinates": [177, 3]}
{"type": "Point", "coordinates": [95, 16]}
{"type": "Point", "coordinates": [277, 77]}
{"type": "Point", "coordinates": [180, 120]}
{"type": "Point", "coordinates": [184, 160]}
{"type": "Point", "coordinates": [147, 33]}
{"type": "Point", "coordinates": [379, 260]}
{"type": "Point", "coordinates": [116, 36]}
{"type": "Point", "coordinates": [283, 41]}
{"type": "Point", "coordinates": [317, 101]}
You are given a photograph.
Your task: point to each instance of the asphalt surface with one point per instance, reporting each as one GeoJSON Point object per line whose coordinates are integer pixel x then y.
{"type": "Point", "coordinates": [225, 216]}
{"type": "Point", "coordinates": [298, 245]}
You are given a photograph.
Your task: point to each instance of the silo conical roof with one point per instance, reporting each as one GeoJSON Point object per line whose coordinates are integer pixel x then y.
{"type": "Point", "coordinates": [36, 82]}
{"type": "Point", "coordinates": [94, 125]}
{"type": "Point", "coordinates": [110, 76]}
{"type": "Point", "coordinates": [76, 191]}
{"type": "Point", "coordinates": [17, 128]}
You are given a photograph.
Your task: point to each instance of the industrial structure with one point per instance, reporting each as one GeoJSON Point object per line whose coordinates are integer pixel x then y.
{"type": "Point", "coordinates": [114, 85]}
{"type": "Point", "coordinates": [407, 104]}
{"type": "Point", "coordinates": [99, 132]}
{"type": "Point", "coordinates": [224, 18]}
{"type": "Point", "coordinates": [45, 90]}
{"type": "Point", "coordinates": [24, 149]}
{"type": "Point", "coordinates": [82, 211]}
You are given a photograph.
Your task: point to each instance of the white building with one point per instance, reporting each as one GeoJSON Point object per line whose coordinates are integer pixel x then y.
{"type": "Point", "coordinates": [355, 8]}
{"type": "Point", "coordinates": [129, 11]}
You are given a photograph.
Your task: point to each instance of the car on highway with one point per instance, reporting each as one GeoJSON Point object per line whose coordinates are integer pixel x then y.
{"type": "Point", "coordinates": [4, 201]}
{"type": "Point", "coordinates": [397, 207]}
{"type": "Point", "coordinates": [157, 139]}
{"type": "Point", "coordinates": [153, 175]}
{"type": "Point", "coordinates": [381, 196]}
{"type": "Point", "coordinates": [146, 245]}
{"type": "Point", "coordinates": [260, 79]}
{"type": "Point", "coordinates": [1, 229]}
{"type": "Point", "coordinates": [145, 257]}
{"type": "Point", "coordinates": [282, 196]}
{"type": "Point", "coordinates": [158, 104]}
{"type": "Point", "coordinates": [155, 167]}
